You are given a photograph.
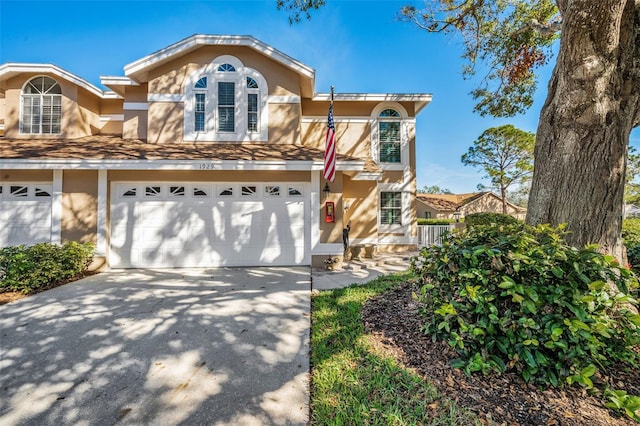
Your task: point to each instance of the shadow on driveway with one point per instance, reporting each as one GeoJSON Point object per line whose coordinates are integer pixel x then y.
{"type": "Point", "coordinates": [180, 346]}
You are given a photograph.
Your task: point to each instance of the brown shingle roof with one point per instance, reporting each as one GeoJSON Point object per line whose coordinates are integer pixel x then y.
{"type": "Point", "coordinates": [437, 203]}
{"type": "Point", "coordinates": [103, 147]}
{"type": "Point", "coordinates": [449, 202]}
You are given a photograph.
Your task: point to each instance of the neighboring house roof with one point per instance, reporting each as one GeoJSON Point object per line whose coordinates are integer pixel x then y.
{"type": "Point", "coordinates": [102, 147]}
{"type": "Point", "coordinates": [437, 203]}
{"type": "Point", "coordinates": [631, 210]}
{"type": "Point", "coordinates": [452, 202]}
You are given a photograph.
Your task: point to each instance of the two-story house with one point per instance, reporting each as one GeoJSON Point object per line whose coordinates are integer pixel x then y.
{"type": "Point", "coordinates": [208, 152]}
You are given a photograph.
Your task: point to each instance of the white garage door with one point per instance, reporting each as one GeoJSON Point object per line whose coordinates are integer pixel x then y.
{"type": "Point", "coordinates": [25, 213]}
{"type": "Point", "coordinates": [208, 224]}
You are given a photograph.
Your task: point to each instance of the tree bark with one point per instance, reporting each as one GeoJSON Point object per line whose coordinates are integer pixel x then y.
{"type": "Point", "coordinates": [503, 194]}
{"type": "Point", "coordinates": [583, 133]}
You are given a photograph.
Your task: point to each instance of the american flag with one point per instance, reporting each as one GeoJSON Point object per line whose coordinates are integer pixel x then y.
{"type": "Point", "coordinates": [330, 148]}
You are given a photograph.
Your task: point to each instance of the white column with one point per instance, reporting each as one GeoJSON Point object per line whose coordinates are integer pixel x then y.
{"type": "Point", "coordinates": [315, 210]}
{"type": "Point", "coordinates": [56, 208]}
{"type": "Point", "coordinates": [101, 231]}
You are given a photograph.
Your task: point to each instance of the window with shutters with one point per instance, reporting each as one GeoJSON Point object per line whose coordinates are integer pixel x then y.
{"type": "Point", "coordinates": [389, 136]}
{"type": "Point", "coordinates": [41, 106]}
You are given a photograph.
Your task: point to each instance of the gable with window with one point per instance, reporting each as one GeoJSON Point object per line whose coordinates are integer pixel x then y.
{"type": "Point", "coordinates": [41, 106]}
{"type": "Point", "coordinates": [226, 102]}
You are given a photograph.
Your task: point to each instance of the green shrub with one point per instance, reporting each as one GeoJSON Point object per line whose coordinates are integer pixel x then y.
{"type": "Point", "coordinates": [631, 232]}
{"type": "Point", "coordinates": [30, 269]}
{"type": "Point", "coordinates": [423, 221]}
{"type": "Point", "coordinates": [631, 239]}
{"type": "Point", "coordinates": [516, 297]}
{"type": "Point", "coordinates": [475, 219]}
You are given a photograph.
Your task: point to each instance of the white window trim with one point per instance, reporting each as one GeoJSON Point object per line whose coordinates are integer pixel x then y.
{"type": "Point", "coordinates": [405, 122]}
{"type": "Point", "coordinates": [405, 227]}
{"type": "Point", "coordinates": [239, 77]}
{"type": "Point", "coordinates": [22, 96]}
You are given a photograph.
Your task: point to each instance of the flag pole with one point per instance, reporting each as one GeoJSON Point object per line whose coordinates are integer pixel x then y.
{"type": "Point", "coordinates": [330, 146]}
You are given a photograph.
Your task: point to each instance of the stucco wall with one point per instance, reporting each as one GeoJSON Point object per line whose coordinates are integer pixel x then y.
{"type": "Point", "coordinates": [135, 119]}
{"type": "Point", "coordinates": [362, 215]}
{"type": "Point", "coordinates": [26, 175]}
{"type": "Point", "coordinates": [79, 205]}
{"type": "Point", "coordinates": [80, 109]}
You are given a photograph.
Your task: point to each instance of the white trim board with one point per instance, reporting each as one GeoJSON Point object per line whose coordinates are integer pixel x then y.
{"type": "Point", "coordinates": [135, 106]}
{"type": "Point", "coordinates": [200, 164]}
{"type": "Point", "coordinates": [191, 43]}
{"type": "Point", "coordinates": [10, 69]}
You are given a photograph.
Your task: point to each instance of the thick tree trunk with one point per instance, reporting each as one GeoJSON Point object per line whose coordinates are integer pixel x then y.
{"type": "Point", "coordinates": [583, 133]}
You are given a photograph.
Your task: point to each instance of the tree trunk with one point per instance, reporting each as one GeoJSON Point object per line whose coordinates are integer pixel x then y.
{"type": "Point", "coordinates": [503, 194]}
{"type": "Point", "coordinates": [583, 133]}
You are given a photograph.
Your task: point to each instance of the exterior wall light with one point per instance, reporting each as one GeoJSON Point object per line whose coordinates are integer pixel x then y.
{"type": "Point", "coordinates": [326, 190]}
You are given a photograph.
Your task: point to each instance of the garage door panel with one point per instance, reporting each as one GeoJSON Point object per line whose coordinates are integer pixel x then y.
{"type": "Point", "coordinates": [25, 213]}
{"type": "Point", "coordinates": [205, 228]}
{"type": "Point", "coordinates": [150, 214]}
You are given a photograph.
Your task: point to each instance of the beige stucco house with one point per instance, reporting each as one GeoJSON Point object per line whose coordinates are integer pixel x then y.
{"type": "Point", "coordinates": [448, 206]}
{"type": "Point", "coordinates": [208, 152]}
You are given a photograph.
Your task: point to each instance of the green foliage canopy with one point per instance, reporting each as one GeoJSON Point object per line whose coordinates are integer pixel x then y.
{"type": "Point", "coordinates": [434, 189]}
{"type": "Point", "coordinates": [505, 153]}
{"type": "Point", "coordinates": [511, 39]}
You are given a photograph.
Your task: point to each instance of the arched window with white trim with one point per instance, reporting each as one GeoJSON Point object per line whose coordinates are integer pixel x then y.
{"type": "Point", "coordinates": [226, 102]}
{"type": "Point", "coordinates": [41, 106]}
{"type": "Point", "coordinates": [389, 136]}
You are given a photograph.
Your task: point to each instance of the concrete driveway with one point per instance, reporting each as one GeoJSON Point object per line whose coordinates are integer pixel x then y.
{"type": "Point", "coordinates": [193, 347]}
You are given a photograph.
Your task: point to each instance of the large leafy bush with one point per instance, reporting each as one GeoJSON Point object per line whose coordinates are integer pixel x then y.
{"type": "Point", "coordinates": [516, 297]}
{"type": "Point", "coordinates": [30, 269]}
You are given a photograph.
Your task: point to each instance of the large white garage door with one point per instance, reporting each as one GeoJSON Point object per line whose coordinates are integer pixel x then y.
{"type": "Point", "coordinates": [25, 213]}
{"type": "Point", "coordinates": [208, 224]}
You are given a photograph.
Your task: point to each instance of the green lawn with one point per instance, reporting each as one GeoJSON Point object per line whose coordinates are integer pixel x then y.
{"type": "Point", "coordinates": [352, 383]}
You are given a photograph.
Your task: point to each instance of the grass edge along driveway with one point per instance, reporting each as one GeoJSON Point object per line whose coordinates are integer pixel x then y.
{"type": "Point", "coordinates": [352, 382]}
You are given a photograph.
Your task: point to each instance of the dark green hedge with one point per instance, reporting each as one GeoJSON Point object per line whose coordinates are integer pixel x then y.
{"type": "Point", "coordinates": [489, 218]}
{"type": "Point", "coordinates": [30, 269]}
{"type": "Point", "coordinates": [423, 221]}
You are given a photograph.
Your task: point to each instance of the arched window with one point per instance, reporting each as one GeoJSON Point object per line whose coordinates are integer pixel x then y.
{"type": "Point", "coordinates": [41, 106]}
{"type": "Point", "coordinates": [226, 101]}
{"type": "Point", "coordinates": [226, 68]}
{"type": "Point", "coordinates": [389, 136]}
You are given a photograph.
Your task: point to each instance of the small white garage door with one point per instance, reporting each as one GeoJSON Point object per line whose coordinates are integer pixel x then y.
{"type": "Point", "coordinates": [25, 213]}
{"type": "Point", "coordinates": [208, 224]}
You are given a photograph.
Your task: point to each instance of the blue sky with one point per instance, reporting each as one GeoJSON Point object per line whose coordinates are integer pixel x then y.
{"type": "Point", "coordinates": [356, 46]}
